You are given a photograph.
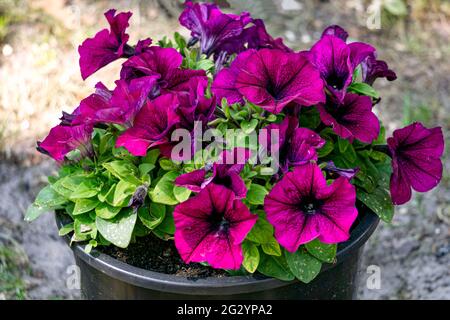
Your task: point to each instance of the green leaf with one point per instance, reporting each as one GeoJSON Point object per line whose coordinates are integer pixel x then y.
{"type": "Point", "coordinates": [326, 149]}
{"type": "Point", "coordinates": [122, 193]}
{"type": "Point", "coordinates": [59, 188]}
{"type": "Point", "coordinates": [249, 126]}
{"type": "Point", "coordinates": [49, 198]}
{"type": "Point", "coordinates": [322, 251]}
{"type": "Point", "coordinates": [256, 194]}
{"type": "Point", "coordinates": [251, 256]}
{"type": "Point", "coordinates": [181, 194]}
{"type": "Point", "coordinates": [84, 228]}
{"type": "Point", "coordinates": [145, 168]}
{"type": "Point", "coordinates": [119, 230]}
{"type": "Point", "coordinates": [151, 156]}
{"type": "Point", "coordinates": [163, 191]}
{"type": "Point", "coordinates": [309, 118]}
{"type": "Point", "coordinates": [363, 89]}
{"type": "Point", "coordinates": [167, 225]}
{"type": "Point", "coordinates": [106, 211]}
{"type": "Point", "coordinates": [343, 145]}
{"type": "Point", "coordinates": [304, 266]}
{"type": "Point", "coordinates": [66, 229]}
{"type": "Point", "coordinates": [33, 212]}
{"type": "Point", "coordinates": [168, 165]}
{"type": "Point", "coordinates": [123, 170]}
{"type": "Point", "coordinates": [271, 248]}
{"type": "Point", "coordinates": [379, 201]}
{"type": "Point", "coordinates": [86, 189]}
{"type": "Point", "coordinates": [153, 216]}
{"type": "Point", "coordinates": [262, 231]}
{"type": "Point", "coordinates": [275, 267]}
{"type": "Point", "coordinates": [84, 205]}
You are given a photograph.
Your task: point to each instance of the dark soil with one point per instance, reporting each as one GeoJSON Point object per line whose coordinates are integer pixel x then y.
{"type": "Point", "coordinates": [154, 254]}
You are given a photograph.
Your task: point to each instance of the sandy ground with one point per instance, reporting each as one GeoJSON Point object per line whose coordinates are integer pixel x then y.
{"type": "Point", "coordinates": [413, 253]}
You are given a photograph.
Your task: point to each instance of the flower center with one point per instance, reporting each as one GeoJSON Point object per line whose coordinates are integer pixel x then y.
{"type": "Point", "coordinates": [219, 223]}
{"type": "Point", "coordinates": [310, 205]}
{"type": "Point", "coordinates": [336, 81]}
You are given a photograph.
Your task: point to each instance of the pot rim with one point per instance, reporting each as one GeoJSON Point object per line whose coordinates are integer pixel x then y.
{"type": "Point", "coordinates": [210, 285]}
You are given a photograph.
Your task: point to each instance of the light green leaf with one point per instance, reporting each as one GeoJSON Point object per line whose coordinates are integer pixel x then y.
{"type": "Point", "coordinates": [106, 211]}
{"type": "Point", "coordinates": [145, 168]}
{"type": "Point", "coordinates": [262, 232]}
{"type": "Point", "coordinates": [84, 205]}
{"type": "Point", "coordinates": [249, 126]}
{"type": "Point", "coordinates": [363, 89]}
{"type": "Point", "coordinates": [304, 266]}
{"type": "Point", "coordinates": [33, 212]}
{"type": "Point", "coordinates": [151, 157]}
{"type": "Point", "coordinates": [123, 170]}
{"type": "Point", "coordinates": [86, 189]}
{"type": "Point", "coordinates": [119, 230]}
{"type": "Point", "coordinates": [275, 267]}
{"type": "Point", "coordinates": [66, 229]}
{"type": "Point", "coordinates": [163, 191]}
{"type": "Point", "coordinates": [256, 194]}
{"type": "Point", "coordinates": [396, 7]}
{"type": "Point", "coordinates": [122, 194]}
{"type": "Point", "coordinates": [322, 251]}
{"type": "Point", "coordinates": [49, 198]}
{"type": "Point", "coordinates": [271, 248]}
{"type": "Point", "coordinates": [251, 256]}
{"type": "Point", "coordinates": [152, 217]}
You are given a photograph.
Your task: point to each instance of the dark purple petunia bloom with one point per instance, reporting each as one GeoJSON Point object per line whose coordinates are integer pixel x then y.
{"type": "Point", "coordinates": [62, 139]}
{"type": "Point", "coordinates": [215, 30]}
{"type": "Point", "coordinates": [194, 106]}
{"type": "Point", "coordinates": [106, 46]}
{"type": "Point", "coordinates": [224, 172]}
{"type": "Point", "coordinates": [337, 60]}
{"type": "Point", "coordinates": [340, 172]}
{"type": "Point", "coordinates": [373, 69]}
{"type": "Point", "coordinates": [302, 207]}
{"type": "Point", "coordinates": [152, 126]}
{"type": "Point", "coordinates": [416, 163]}
{"type": "Point", "coordinates": [271, 79]}
{"type": "Point", "coordinates": [119, 106]}
{"type": "Point", "coordinates": [296, 146]}
{"type": "Point", "coordinates": [336, 31]}
{"type": "Point", "coordinates": [258, 38]}
{"type": "Point", "coordinates": [211, 227]}
{"type": "Point", "coordinates": [162, 63]}
{"type": "Point", "coordinates": [353, 118]}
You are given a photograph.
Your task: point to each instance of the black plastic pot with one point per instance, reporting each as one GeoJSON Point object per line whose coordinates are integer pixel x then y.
{"type": "Point", "coordinates": [103, 277]}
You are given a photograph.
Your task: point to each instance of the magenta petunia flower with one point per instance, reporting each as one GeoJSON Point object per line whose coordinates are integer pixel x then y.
{"type": "Point", "coordinates": [353, 118]}
{"type": "Point", "coordinates": [215, 30]}
{"type": "Point", "coordinates": [62, 139]}
{"type": "Point", "coordinates": [296, 145]}
{"type": "Point", "coordinates": [259, 38]}
{"type": "Point", "coordinates": [224, 172]}
{"type": "Point", "coordinates": [336, 31]}
{"type": "Point", "coordinates": [211, 226]}
{"type": "Point", "coordinates": [107, 45]}
{"type": "Point", "coordinates": [302, 207]}
{"type": "Point", "coordinates": [270, 78]}
{"type": "Point", "coordinates": [152, 126]}
{"type": "Point", "coordinates": [336, 60]}
{"type": "Point", "coordinates": [416, 163]}
{"type": "Point", "coordinates": [162, 63]}
{"type": "Point", "coordinates": [194, 106]}
{"type": "Point", "coordinates": [373, 69]}
{"type": "Point", "coordinates": [334, 171]}
{"type": "Point", "coordinates": [119, 106]}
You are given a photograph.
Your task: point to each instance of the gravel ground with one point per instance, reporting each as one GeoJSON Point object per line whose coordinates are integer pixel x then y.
{"type": "Point", "coordinates": [412, 253]}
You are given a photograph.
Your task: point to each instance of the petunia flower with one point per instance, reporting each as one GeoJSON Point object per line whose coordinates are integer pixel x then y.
{"type": "Point", "coordinates": [353, 118]}
{"type": "Point", "coordinates": [211, 226]}
{"type": "Point", "coordinates": [107, 45]}
{"type": "Point", "coordinates": [259, 38]}
{"type": "Point", "coordinates": [335, 171]}
{"type": "Point", "coordinates": [416, 152]}
{"type": "Point", "coordinates": [270, 78]}
{"type": "Point", "coordinates": [336, 31]}
{"type": "Point", "coordinates": [336, 60]}
{"type": "Point", "coordinates": [119, 106]}
{"type": "Point", "coordinates": [224, 172]}
{"type": "Point", "coordinates": [62, 139]}
{"type": "Point", "coordinates": [161, 63]}
{"type": "Point", "coordinates": [302, 207]}
{"type": "Point", "coordinates": [296, 145]}
{"type": "Point", "coordinates": [373, 69]}
{"type": "Point", "coordinates": [215, 30]}
{"type": "Point", "coordinates": [152, 126]}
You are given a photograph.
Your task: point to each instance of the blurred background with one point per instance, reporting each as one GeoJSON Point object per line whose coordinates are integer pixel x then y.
{"type": "Point", "coordinates": [39, 78]}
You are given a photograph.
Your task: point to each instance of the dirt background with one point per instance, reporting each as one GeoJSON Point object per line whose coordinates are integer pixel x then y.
{"type": "Point", "coordinates": [40, 78]}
